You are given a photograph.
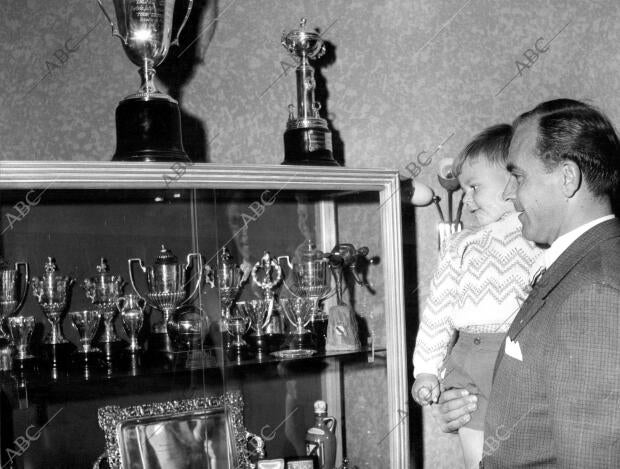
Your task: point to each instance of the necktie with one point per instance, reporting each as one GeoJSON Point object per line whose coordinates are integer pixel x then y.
{"type": "Point", "coordinates": [536, 278]}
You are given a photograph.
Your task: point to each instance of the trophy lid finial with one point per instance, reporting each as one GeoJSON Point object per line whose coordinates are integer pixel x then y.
{"type": "Point", "coordinates": [302, 23]}
{"type": "Point", "coordinates": [50, 265]}
{"type": "Point", "coordinates": [166, 256]}
{"type": "Point", "coordinates": [102, 268]}
{"type": "Point", "coordinates": [225, 255]}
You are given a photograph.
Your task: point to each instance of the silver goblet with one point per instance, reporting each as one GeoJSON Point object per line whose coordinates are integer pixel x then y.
{"type": "Point", "coordinates": [237, 325]}
{"type": "Point", "coordinates": [86, 323]}
{"type": "Point", "coordinates": [52, 291]}
{"type": "Point", "coordinates": [13, 288]}
{"type": "Point", "coordinates": [258, 314]}
{"type": "Point", "coordinates": [104, 290]}
{"type": "Point", "coordinates": [21, 328]}
{"type": "Point", "coordinates": [132, 314]}
{"type": "Point", "coordinates": [299, 312]}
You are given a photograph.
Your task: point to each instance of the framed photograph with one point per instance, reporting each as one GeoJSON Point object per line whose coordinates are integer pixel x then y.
{"type": "Point", "coordinates": [202, 433]}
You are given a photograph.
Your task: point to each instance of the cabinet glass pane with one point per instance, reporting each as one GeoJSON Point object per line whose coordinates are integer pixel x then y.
{"type": "Point", "coordinates": [295, 360]}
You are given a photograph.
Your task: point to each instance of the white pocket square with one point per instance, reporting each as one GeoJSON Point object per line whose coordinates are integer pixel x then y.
{"type": "Point", "coordinates": [513, 350]}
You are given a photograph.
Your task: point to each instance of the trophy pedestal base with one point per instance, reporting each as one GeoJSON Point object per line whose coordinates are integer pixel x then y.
{"type": "Point", "coordinates": [56, 355]}
{"type": "Point", "coordinates": [259, 345]}
{"type": "Point", "coordinates": [298, 345]}
{"type": "Point", "coordinates": [318, 327]}
{"type": "Point", "coordinates": [237, 351]}
{"type": "Point", "coordinates": [159, 342]}
{"type": "Point", "coordinates": [149, 129]}
{"type": "Point", "coordinates": [308, 146]}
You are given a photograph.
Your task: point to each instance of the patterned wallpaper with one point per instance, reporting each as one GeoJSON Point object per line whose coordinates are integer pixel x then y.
{"type": "Point", "coordinates": [402, 77]}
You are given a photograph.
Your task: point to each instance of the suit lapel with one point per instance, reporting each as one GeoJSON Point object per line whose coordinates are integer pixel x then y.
{"type": "Point", "coordinates": [558, 270]}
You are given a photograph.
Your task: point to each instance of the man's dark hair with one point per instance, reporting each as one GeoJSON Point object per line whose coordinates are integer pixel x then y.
{"type": "Point", "coordinates": [572, 130]}
{"type": "Point", "coordinates": [492, 144]}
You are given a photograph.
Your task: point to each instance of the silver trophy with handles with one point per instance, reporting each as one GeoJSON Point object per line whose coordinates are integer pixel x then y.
{"type": "Point", "coordinates": [13, 288]}
{"type": "Point", "coordinates": [167, 282]}
{"type": "Point", "coordinates": [148, 122]}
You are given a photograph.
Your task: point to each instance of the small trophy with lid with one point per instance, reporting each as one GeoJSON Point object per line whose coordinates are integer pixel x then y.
{"type": "Point", "coordinates": [52, 291]}
{"type": "Point", "coordinates": [104, 290]}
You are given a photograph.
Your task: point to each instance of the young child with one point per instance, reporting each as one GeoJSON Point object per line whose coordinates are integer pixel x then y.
{"type": "Point", "coordinates": [482, 278]}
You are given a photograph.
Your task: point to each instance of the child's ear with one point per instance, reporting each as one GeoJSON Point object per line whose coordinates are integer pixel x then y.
{"type": "Point", "coordinates": [570, 178]}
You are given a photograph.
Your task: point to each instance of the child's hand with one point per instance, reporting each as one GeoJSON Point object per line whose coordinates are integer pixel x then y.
{"type": "Point", "coordinates": [425, 389]}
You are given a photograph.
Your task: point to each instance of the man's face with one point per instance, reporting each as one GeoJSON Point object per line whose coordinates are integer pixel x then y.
{"type": "Point", "coordinates": [534, 191]}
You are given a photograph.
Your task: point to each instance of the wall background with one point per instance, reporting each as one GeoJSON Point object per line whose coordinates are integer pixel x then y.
{"type": "Point", "coordinates": [407, 76]}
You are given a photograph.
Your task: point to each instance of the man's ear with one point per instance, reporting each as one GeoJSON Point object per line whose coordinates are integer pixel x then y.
{"type": "Point", "coordinates": [571, 178]}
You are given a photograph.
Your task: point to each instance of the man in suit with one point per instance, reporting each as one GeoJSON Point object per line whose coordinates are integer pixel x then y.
{"type": "Point", "coordinates": [555, 400]}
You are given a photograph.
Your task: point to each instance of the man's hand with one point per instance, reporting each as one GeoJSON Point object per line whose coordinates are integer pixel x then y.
{"type": "Point", "coordinates": [454, 409]}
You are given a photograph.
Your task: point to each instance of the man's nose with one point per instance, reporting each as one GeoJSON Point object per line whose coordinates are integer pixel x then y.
{"type": "Point", "coordinates": [510, 191]}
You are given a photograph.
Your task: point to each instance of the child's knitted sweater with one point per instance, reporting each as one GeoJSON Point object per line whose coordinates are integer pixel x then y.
{"type": "Point", "coordinates": [482, 279]}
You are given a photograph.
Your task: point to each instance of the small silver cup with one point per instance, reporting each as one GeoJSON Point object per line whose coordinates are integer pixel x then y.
{"type": "Point", "coordinates": [21, 328]}
{"type": "Point", "coordinates": [86, 323]}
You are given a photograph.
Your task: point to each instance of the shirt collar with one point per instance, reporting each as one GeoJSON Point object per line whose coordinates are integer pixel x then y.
{"type": "Point", "coordinates": [563, 242]}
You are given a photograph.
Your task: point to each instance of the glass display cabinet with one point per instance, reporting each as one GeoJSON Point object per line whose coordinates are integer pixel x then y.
{"type": "Point", "coordinates": [190, 315]}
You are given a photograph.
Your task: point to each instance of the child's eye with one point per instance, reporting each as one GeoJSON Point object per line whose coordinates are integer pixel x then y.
{"type": "Point", "coordinates": [475, 187]}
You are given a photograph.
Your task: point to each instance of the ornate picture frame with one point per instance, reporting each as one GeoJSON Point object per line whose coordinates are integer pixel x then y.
{"type": "Point", "coordinates": [208, 430]}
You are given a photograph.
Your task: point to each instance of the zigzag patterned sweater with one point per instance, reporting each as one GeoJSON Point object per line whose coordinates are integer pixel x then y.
{"type": "Point", "coordinates": [482, 278]}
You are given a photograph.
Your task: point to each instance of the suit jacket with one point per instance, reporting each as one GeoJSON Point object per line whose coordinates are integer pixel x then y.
{"type": "Point", "coordinates": [556, 394]}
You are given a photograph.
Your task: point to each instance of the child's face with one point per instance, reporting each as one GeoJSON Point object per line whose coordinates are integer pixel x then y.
{"type": "Point", "coordinates": [483, 184]}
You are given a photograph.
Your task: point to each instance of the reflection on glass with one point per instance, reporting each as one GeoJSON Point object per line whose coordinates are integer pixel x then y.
{"type": "Point", "coordinates": [183, 441]}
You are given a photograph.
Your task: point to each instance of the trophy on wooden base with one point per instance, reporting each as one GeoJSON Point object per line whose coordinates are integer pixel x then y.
{"type": "Point", "coordinates": [148, 122]}
{"type": "Point", "coordinates": [307, 140]}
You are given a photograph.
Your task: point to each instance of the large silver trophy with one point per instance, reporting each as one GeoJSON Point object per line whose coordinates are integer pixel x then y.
{"type": "Point", "coordinates": [307, 139]}
{"type": "Point", "coordinates": [104, 290]}
{"type": "Point", "coordinates": [148, 122]}
{"type": "Point", "coordinates": [309, 277]}
{"type": "Point", "coordinates": [52, 291]}
{"type": "Point", "coordinates": [167, 283]}
{"type": "Point", "coordinates": [13, 288]}
{"type": "Point", "coordinates": [230, 279]}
